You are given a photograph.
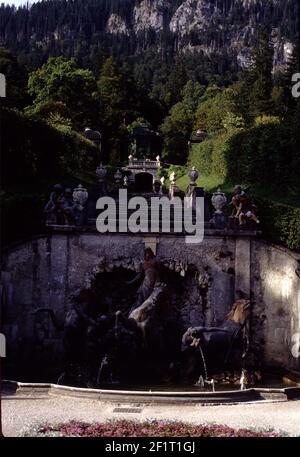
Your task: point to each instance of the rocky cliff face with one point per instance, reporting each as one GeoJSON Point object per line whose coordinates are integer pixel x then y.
{"type": "Point", "coordinates": [206, 25]}
{"type": "Point", "coordinates": [149, 14]}
{"type": "Point", "coordinates": [210, 25]}
{"type": "Point", "coordinates": [191, 16]}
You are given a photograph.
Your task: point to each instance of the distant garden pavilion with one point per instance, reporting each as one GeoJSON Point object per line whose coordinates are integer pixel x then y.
{"type": "Point", "coordinates": [145, 142]}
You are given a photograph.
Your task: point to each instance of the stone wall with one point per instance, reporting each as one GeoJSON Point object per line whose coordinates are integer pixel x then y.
{"type": "Point", "coordinates": [44, 272]}
{"type": "Point", "coordinates": [275, 289]}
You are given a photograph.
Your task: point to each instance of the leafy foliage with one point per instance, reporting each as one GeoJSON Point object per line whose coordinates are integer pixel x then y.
{"type": "Point", "coordinates": [176, 130]}
{"type": "Point", "coordinates": [214, 107]}
{"type": "Point", "coordinates": [61, 80]}
{"type": "Point", "coordinates": [16, 79]}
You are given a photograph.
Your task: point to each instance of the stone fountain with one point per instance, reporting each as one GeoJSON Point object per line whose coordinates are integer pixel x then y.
{"type": "Point", "coordinates": [101, 316]}
{"type": "Point", "coordinates": [127, 342]}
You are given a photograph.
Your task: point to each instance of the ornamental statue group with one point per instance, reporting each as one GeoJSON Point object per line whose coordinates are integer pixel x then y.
{"type": "Point", "coordinates": [70, 207]}
{"type": "Point", "coordinates": [66, 207]}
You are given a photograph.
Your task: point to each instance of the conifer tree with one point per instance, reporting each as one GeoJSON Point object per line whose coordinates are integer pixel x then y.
{"type": "Point", "coordinates": [260, 75]}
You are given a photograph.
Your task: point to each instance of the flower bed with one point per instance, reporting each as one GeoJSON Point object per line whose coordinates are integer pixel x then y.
{"type": "Point", "coordinates": [125, 428]}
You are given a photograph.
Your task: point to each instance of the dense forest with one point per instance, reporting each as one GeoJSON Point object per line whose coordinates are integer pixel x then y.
{"type": "Point", "coordinates": [54, 91]}
{"type": "Point", "coordinates": [147, 30]}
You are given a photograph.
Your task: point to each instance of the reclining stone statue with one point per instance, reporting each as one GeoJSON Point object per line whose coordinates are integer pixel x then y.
{"type": "Point", "coordinates": [158, 324]}
{"type": "Point", "coordinates": [150, 273]}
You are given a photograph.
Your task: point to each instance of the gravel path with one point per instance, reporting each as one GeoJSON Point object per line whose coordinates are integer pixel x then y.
{"type": "Point", "coordinates": [19, 411]}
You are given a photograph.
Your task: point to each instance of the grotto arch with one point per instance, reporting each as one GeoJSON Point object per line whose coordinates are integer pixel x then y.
{"type": "Point", "coordinates": [189, 288]}
{"type": "Point", "coordinates": [143, 182]}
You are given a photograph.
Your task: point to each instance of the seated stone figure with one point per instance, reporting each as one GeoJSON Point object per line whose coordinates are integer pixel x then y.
{"type": "Point", "coordinates": [61, 208]}
{"type": "Point", "coordinates": [243, 208]}
{"type": "Point", "coordinates": [67, 207]}
{"type": "Point", "coordinates": [52, 211]}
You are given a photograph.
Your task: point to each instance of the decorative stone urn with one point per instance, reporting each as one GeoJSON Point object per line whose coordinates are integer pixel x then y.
{"type": "Point", "coordinates": [118, 177]}
{"type": "Point", "coordinates": [193, 175]}
{"type": "Point", "coordinates": [101, 173]}
{"type": "Point", "coordinates": [80, 196]}
{"type": "Point", "coordinates": [219, 200]}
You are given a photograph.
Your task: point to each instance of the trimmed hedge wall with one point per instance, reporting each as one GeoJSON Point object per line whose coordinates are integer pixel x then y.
{"type": "Point", "coordinates": [211, 156]}
{"type": "Point", "coordinates": [31, 149]}
{"type": "Point", "coordinates": [201, 156]}
{"type": "Point", "coordinates": [34, 156]}
{"type": "Point", "coordinates": [263, 156]}
{"type": "Point", "coordinates": [280, 223]}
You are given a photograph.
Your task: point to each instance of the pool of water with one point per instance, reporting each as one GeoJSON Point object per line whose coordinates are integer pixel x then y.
{"type": "Point", "coordinates": [267, 383]}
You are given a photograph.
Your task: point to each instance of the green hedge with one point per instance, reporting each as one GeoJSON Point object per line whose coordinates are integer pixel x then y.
{"type": "Point", "coordinates": [34, 156]}
{"type": "Point", "coordinates": [210, 156]}
{"type": "Point", "coordinates": [33, 151]}
{"type": "Point", "coordinates": [201, 156]}
{"type": "Point", "coordinates": [280, 223]}
{"type": "Point", "coordinates": [263, 155]}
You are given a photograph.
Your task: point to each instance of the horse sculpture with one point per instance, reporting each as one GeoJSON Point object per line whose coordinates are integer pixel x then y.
{"type": "Point", "coordinates": [210, 350]}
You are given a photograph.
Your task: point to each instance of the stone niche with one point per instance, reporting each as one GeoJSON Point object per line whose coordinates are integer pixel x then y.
{"type": "Point", "coordinates": [203, 282]}
{"type": "Point", "coordinates": [188, 288]}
